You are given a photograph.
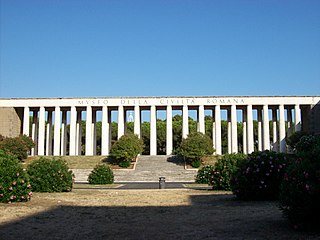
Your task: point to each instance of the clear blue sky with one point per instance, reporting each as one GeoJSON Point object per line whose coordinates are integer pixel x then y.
{"type": "Point", "coordinates": [78, 48]}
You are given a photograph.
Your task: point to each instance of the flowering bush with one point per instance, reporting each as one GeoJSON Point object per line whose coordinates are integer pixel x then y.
{"type": "Point", "coordinates": [18, 146]}
{"type": "Point", "coordinates": [300, 189]}
{"type": "Point", "coordinates": [50, 175]}
{"type": "Point", "coordinates": [14, 181]}
{"type": "Point", "coordinates": [101, 174]}
{"type": "Point", "coordinates": [259, 176]}
{"type": "Point", "coordinates": [223, 169]}
{"type": "Point", "coordinates": [204, 174]}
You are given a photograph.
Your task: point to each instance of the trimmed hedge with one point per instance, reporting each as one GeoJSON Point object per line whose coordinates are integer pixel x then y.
{"type": "Point", "coordinates": [101, 174]}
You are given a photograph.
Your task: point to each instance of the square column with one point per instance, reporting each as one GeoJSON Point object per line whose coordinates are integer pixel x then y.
{"type": "Point", "coordinates": [282, 129]}
{"type": "Point", "coordinates": [120, 121]}
{"type": "Point", "coordinates": [137, 121]}
{"type": "Point", "coordinates": [244, 131]}
{"type": "Point", "coordinates": [185, 121]}
{"type": "Point", "coordinates": [213, 131]}
{"type": "Point", "coordinates": [41, 131]}
{"type": "Point", "coordinates": [201, 119]}
{"type": "Point", "coordinates": [105, 132]}
{"type": "Point", "coordinates": [234, 129]}
{"type": "Point", "coordinates": [89, 147]}
{"type": "Point", "coordinates": [290, 129]}
{"type": "Point", "coordinates": [56, 138]}
{"type": "Point", "coordinates": [266, 135]}
{"type": "Point", "coordinates": [49, 134]}
{"type": "Point", "coordinates": [153, 130]}
{"type": "Point", "coordinates": [297, 118]}
{"type": "Point", "coordinates": [229, 131]}
{"type": "Point", "coordinates": [250, 142]}
{"type": "Point", "coordinates": [217, 120]}
{"type": "Point", "coordinates": [94, 132]}
{"type": "Point", "coordinates": [26, 121]}
{"type": "Point", "coordinates": [73, 128]}
{"type": "Point", "coordinates": [169, 139]}
{"type": "Point", "coordinates": [34, 132]}
{"type": "Point", "coordinates": [274, 131]}
{"type": "Point", "coordinates": [64, 134]}
{"type": "Point", "coordinates": [259, 129]}
{"type": "Point", "coordinates": [79, 134]}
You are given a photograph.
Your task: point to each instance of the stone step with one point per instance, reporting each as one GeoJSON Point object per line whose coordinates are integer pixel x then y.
{"type": "Point", "coordinates": [148, 169]}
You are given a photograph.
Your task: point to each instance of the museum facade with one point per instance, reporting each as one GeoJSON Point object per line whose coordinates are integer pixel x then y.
{"type": "Point", "coordinates": [55, 123]}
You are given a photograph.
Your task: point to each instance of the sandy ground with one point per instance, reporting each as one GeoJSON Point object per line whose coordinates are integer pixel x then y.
{"type": "Point", "coordinates": [144, 214]}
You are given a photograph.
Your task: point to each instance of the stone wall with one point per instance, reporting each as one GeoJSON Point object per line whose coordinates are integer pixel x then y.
{"type": "Point", "coordinates": [10, 121]}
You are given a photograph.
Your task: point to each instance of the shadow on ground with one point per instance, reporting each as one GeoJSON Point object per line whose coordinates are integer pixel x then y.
{"type": "Point", "coordinates": [178, 160]}
{"type": "Point", "coordinates": [207, 217]}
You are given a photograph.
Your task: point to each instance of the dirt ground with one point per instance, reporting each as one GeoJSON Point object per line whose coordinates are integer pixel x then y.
{"type": "Point", "coordinates": [144, 214]}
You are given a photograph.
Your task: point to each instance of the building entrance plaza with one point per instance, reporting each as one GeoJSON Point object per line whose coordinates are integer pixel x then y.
{"type": "Point", "coordinates": [46, 120]}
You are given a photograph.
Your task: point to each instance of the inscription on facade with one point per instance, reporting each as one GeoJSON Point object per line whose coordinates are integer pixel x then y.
{"type": "Point", "coordinates": [159, 101]}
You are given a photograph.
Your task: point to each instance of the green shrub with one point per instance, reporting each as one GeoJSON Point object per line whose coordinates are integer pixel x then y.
{"type": "Point", "coordinates": [259, 176]}
{"type": "Point", "coordinates": [223, 169]}
{"type": "Point", "coordinates": [124, 164]}
{"type": "Point", "coordinates": [196, 146]}
{"type": "Point", "coordinates": [300, 189]}
{"type": "Point", "coordinates": [14, 181]}
{"type": "Point", "coordinates": [294, 139]}
{"type": "Point", "coordinates": [127, 148]}
{"type": "Point", "coordinates": [196, 163]}
{"type": "Point", "coordinates": [204, 174]}
{"type": "Point", "coordinates": [50, 175]}
{"type": "Point", "coordinates": [18, 146]}
{"type": "Point", "coordinates": [101, 174]}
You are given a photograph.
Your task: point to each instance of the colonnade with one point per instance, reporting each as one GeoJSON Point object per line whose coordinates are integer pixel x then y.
{"type": "Point", "coordinates": [49, 126]}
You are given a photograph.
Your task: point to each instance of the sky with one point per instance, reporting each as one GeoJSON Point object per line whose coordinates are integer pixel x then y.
{"type": "Point", "coordinates": [101, 48]}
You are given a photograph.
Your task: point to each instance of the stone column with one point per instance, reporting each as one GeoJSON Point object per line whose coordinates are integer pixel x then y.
{"type": "Point", "coordinates": [94, 132]}
{"type": "Point", "coordinates": [250, 142]}
{"type": "Point", "coordinates": [229, 131]}
{"type": "Point", "coordinates": [56, 139]}
{"type": "Point", "coordinates": [185, 121]}
{"type": "Point", "coordinates": [169, 139]}
{"type": "Point", "coordinates": [297, 118]}
{"type": "Point", "coordinates": [214, 131]}
{"type": "Point", "coordinates": [79, 134]}
{"type": "Point", "coordinates": [89, 147]}
{"type": "Point", "coordinates": [110, 129]}
{"type": "Point", "coordinates": [73, 128]}
{"type": "Point", "coordinates": [266, 135]}
{"type": "Point", "coordinates": [26, 121]}
{"type": "Point", "coordinates": [120, 121]}
{"type": "Point", "coordinates": [244, 131]}
{"type": "Point", "coordinates": [217, 118]}
{"type": "Point", "coordinates": [153, 130]}
{"type": "Point", "coordinates": [34, 132]}
{"type": "Point", "coordinates": [64, 134]}
{"type": "Point", "coordinates": [49, 134]}
{"type": "Point", "coordinates": [259, 129]}
{"type": "Point", "coordinates": [234, 130]}
{"type": "Point", "coordinates": [201, 119]}
{"type": "Point", "coordinates": [274, 131]}
{"type": "Point", "coordinates": [105, 132]}
{"type": "Point", "coordinates": [282, 129]}
{"type": "Point", "coordinates": [289, 120]}
{"type": "Point", "coordinates": [41, 131]}
{"type": "Point", "coordinates": [137, 121]}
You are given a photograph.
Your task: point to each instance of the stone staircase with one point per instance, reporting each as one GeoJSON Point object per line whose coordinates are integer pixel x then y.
{"type": "Point", "coordinates": [148, 169]}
